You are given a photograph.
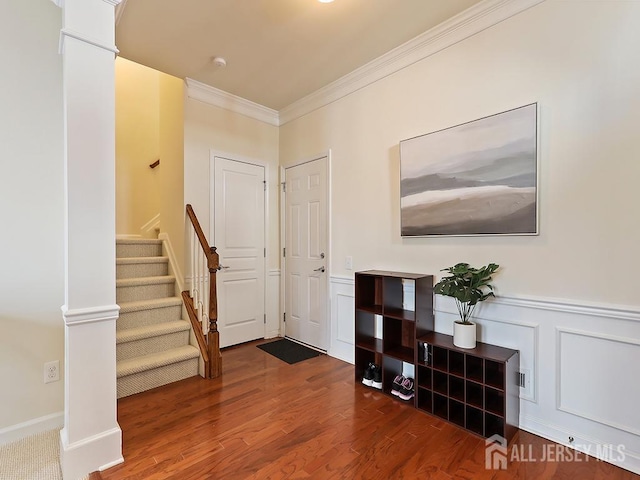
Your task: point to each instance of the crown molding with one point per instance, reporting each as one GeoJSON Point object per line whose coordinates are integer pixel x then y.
{"type": "Point", "coordinates": [220, 98]}
{"type": "Point", "coordinates": [120, 10]}
{"type": "Point", "coordinates": [60, 3]}
{"type": "Point", "coordinates": [464, 25]}
{"type": "Point", "coordinates": [475, 19]}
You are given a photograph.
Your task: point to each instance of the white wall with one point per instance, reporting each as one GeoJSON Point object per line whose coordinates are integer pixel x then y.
{"type": "Point", "coordinates": [566, 301]}
{"type": "Point", "coordinates": [31, 209]}
{"type": "Point", "coordinates": [210, 128]}
{"type": "Point", "coordinates": [580, 62]}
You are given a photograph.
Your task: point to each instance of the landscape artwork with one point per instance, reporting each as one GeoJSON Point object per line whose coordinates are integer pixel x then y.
{"type": "Point", "coordinates": [478, 178]}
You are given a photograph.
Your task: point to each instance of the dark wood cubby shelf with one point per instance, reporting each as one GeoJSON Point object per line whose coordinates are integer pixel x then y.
{"type": "Point", "coordinates": [473, 388]}
{"type": "Point", "coordinates": [380, 298]}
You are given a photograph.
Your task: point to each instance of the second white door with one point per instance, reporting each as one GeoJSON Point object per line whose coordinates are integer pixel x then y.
{"type": "Point", "coordinates": [306, 259]}
{"type": "Point", "coordinates": [239, 226]}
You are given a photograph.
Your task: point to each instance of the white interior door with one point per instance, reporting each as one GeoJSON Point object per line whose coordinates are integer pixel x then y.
{"type": "Point", "coordinates": [306, 256]}
{"type": "Point", "coordinates": [238, 234]}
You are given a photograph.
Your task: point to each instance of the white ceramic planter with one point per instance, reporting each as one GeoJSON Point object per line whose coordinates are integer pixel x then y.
{"type": "Point", "coordinates": [464, 335]}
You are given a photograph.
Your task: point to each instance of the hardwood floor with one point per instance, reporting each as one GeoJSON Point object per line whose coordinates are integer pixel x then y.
{"type": "Point", "coordinates": [265, 419]}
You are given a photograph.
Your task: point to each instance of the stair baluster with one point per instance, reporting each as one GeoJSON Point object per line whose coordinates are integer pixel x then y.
{"type": "Point", "coordinates": [201, 299]}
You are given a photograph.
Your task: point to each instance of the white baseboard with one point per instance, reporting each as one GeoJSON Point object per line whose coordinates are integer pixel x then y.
{"type": "Point", "coordinates": [173, 261]}
{"type": "Point", "coordinates": [97, 452]}
{"type": "Point", "coordinates": [341, 355]}
{"type": "Point", "coordinates": [591, 446]}
{"type": "Point", "coordinates": [54, 421]}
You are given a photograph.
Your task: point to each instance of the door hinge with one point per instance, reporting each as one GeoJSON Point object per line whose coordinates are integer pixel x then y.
{"type": "Point", "coordinates": [284, 252]}
{"type": "Point", "coordinates": [284, 187]}
{"type": "Point", "coordinates": [265, 252]}
{"type": "Point", "coordinates": [265, 318]}
{"type": "Point", "coordinates": [284, 317]}
{"type": "Point", "coordinates": [265, 185]}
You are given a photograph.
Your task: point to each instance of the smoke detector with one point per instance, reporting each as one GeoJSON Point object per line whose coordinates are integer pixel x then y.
{"type": "Point", "coordinates": [219, 62]}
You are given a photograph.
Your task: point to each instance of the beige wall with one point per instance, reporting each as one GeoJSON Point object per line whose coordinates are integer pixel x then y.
{"type": "Point", "coordinates": [171, 170]}
{"type": "Point", "coordinates": [32, 211]}
{"type": "Point", "coordinates": [137, 146]}
{"type": "Point", "coordinates": [149, 126]}
{"type": "Point", "coordinates": [212, 128]}
{"type": "Point", "coordinates": [581, 63]}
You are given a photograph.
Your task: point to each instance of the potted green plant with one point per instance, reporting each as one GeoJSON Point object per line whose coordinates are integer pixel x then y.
{"type": "Point", "coordinates": [468, 286]}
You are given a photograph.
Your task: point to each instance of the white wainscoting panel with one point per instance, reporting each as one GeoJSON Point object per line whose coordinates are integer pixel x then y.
{"type": "Point", "coordinates": [596, 378]}
{"type": "Point", "coordinates": [341, 342]}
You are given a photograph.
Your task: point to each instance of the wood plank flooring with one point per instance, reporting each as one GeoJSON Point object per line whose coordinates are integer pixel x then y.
{"type": "Point", "coordinates": [266, 419]}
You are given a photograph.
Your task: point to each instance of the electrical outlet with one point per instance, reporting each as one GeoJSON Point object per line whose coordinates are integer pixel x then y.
{"type": "Point", "coordinates": [52, 371]}
{"type": "Point", "coordinates": [525, 382]}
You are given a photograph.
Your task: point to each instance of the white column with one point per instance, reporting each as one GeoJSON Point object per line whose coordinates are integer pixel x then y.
{"type": "Point", "coordinates": [91, 438]}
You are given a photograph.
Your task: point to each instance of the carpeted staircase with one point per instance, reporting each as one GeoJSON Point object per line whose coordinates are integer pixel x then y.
{"type": "Point", "coordinates": [152, 339]}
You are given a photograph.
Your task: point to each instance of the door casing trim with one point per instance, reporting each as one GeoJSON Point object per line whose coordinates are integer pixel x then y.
{"type": "Point", "coordinates": [251, 161]}
{"type": "Point", "coordinates": [328, 255]}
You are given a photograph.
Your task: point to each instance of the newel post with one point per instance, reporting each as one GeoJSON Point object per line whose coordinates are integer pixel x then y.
{"type": "Point", "coordinates": [213, 337]}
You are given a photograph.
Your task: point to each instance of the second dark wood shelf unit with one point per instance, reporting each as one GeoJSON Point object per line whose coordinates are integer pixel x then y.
{"type": "Point", "coordinates": [473, 388]}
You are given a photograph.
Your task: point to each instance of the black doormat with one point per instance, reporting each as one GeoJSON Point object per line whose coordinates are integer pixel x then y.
{"type": "Point", "coordinates": [288, 351]}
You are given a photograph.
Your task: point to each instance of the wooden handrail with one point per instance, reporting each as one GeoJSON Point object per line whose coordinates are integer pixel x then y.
{"type": "Point", "coordinates": [210, 252]}
{"type": "Point", "coordinates": [210, 343]}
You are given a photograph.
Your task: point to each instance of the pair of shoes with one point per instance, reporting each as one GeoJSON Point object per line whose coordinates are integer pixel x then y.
{"type": "Point", "coordinates": [372, 376]}
{"type": "Point", "coordinates": [402, 387]}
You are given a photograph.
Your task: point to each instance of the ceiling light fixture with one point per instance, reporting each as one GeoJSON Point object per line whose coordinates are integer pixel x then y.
{"type": "Point", "coordinates": [219, 62]}
{"type": "Point", "coordinates": [325, 1]}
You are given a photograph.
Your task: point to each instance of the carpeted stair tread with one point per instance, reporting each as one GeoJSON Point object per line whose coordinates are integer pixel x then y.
{"type": "Point", "coordinates": [152, 338]}
{"type": "Point", "coordinates": [149, 331]}
{"type": "Point", "coordinates": [138, 241]}
{"type": "Point", "coordinates": [126, 307]}
{"type": "Point", "coordinates": [137, 260]}
{"type": "Point", "coordinates": [134, 282]}
{"type": "Point", "coordinates": [155, 360]}
{"type": "Point", "coordinates": [140, 247]}
{"type": "Point", "coordinates": [141, 266]}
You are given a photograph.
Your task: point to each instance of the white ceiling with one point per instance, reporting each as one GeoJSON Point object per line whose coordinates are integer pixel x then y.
{"type": "Point", "coordinates": [277, 51]}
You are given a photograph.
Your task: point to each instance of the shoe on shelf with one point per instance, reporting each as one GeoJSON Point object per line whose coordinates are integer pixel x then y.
{"type": "Point", "coordinates": [397, 385]}
{"type": "Point", "coordinates": [406, 389]}
{"type": "Point", "coordinates": [367, 377]}
{"type": "Point", "coordinates": [377, 377]}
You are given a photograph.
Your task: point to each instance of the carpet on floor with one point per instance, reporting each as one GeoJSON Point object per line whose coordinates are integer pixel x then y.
{"type": "Point", "coordinates": [288, 351]}
{"type": "Point", "coordinates": [36, 457]}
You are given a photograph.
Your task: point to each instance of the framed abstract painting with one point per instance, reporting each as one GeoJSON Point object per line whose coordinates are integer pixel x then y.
{"type": "Point", "coordinates": [477, 178]}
